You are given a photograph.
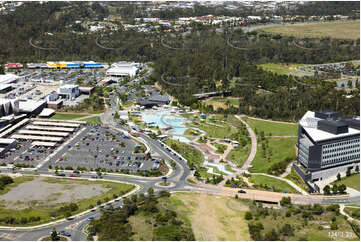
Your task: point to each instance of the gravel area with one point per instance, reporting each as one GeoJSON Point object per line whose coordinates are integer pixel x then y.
{"type": "Point", "coordinates": [48, 193]}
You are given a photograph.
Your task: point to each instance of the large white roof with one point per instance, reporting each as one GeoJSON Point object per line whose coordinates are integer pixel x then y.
{"type": "Point", "coordinates": [8, 78]}
{"type": "Point", "coordinates": [309, 123]}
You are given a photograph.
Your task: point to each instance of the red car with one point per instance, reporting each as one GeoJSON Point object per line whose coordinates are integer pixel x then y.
{"type": "Point", "coordinates": [60, 159]}
{"type": "Point", "coordinates": [73, 175]}
{"type": "Point", "coordinates": [114, 157]}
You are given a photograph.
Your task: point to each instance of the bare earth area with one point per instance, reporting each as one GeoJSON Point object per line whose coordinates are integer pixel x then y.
{"type": "Point", "coordinates": [44, 193]}
{"type": "Point", "coordinates": [214, 217]}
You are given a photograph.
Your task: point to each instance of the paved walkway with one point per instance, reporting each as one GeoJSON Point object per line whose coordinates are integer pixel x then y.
{"type": "Point", "coordinates": [349, 218]}
{"type": "Point", "coordinates": [251, 156]}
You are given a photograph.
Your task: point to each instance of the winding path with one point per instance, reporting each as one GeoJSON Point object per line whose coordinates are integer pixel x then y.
{"type": "Point", "coordinates": [251, 156]}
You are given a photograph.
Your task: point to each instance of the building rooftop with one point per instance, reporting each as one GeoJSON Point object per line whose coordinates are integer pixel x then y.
{"type": "Point", "coordinates": [8, 78]}
{"type": "Point", "coordinates": [309, 122]}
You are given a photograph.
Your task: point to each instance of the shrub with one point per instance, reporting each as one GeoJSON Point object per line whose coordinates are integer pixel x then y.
{"type": "Point", "coordinates": [248, 215]}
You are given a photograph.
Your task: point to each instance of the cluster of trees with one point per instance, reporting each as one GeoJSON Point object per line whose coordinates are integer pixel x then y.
{"type": "Point", "coordinates": [5, 180]}
{"type": "Point", "coordinates": [336, 189]}
{"type": "Point", "coordinates": [285, 231]}
{"type": "Point", "coordinates": [280, 167]}
{"type": "Point", "coordinates": [67, 210]}
{"type": "Point", "coordinates": [9, 220]}
{"type": "Point", "coordinates": [114, 224]}
{"type": "Point", "coordinates": [239, 183]}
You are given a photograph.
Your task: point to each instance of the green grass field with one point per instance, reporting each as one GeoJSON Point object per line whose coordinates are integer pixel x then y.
{"type": "Point", "coordinates": [281, 148]}
{"type": "Point", "coordinates": [338, 30]}
{"type": "Point", "coordinates": [239, 155]}
{"type": "Point", "coordinates": [281, 69]}
{"type": "Point", "coordinates": [192, 155]}
{"type": "Point", "coordinates": [276, 129]}
{"type": "Point", "coordinates": [353, 212]}
{"type": "Point", "coordinates": [352, 181]}
{"type": "Point", "coordinates": [216, 129]}
{"type": "Point", "coordinates": [45, 212]}
{"type": "Point", "coordinates": [93, 120]}
{"type": "Point", "coordinates": [220, 148]}
{"type": "Point", "coordinates": [274, 183]}
{"type": "Point", "coordinates": [68, 116]}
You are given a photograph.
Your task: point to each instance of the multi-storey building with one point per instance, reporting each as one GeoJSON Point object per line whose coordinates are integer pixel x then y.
{"type": "Point", "coordinates": [327, 145]}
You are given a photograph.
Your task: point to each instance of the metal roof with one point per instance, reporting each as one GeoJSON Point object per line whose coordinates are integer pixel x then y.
{"type": "Point", "coordinates": [42, 143]}
{"type": "Point", "coordinates": [34, 137]}
{"type": "Point", "coordinates": [50, 128]}
{"type": "Point", "coordinates": [45, 133]}
{"type": "Point", "coordinates": [57, 124]}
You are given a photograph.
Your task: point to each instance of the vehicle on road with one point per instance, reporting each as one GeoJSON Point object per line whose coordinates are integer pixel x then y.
{"type": "Point", "coordinates": [242, 191]}
{"type": "Point", "coordinates": [90, 218]}
{"type": "Point", "coordinates": [64, 233]}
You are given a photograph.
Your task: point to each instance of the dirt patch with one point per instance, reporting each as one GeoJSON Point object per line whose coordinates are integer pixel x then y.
{"type": "Point", "coordinates": [213, 220]}
{"type": "Point", "coordinates": [39, 192]}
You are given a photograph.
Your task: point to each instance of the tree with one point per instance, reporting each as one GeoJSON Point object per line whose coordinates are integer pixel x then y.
{"type": "Point", "coordinates": [54, 235]}
{"type": "Point", "coordinates": [248, 215]}
{"type": "Point", "coordinates": [338, 177]}
{"type": "Point", "coordinates": [334, 189]}
{"type": "Point", "coordinates": [327, 190]}
{"type": "Point", "coordinates": [150, 191]}
{"type": "Point", "coordinates": [357, 169]}
{"type": "Point", "coordinates": [272, 235]}
{"type": "Point", "coordinates": [342, 188]}
{"type": "Point", "coordinates": [285, 201]}
{"type": "Point", "coordinates": [348, 172]}
{"type": "Point", "coordinates": [2, 70]}
{"type": "Point", "coordinates": [287, 230]}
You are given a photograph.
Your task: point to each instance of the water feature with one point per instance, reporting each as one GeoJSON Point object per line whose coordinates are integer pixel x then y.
{"type": "Point", "coordinates": [164, 119]}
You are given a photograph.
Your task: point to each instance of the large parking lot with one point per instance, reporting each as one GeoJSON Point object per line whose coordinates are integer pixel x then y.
{"type": "Point", "coordinates": [103, 148]}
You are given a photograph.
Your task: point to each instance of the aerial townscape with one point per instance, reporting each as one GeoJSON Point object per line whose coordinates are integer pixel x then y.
{"type": "Point", "coordinates": [180, 120]}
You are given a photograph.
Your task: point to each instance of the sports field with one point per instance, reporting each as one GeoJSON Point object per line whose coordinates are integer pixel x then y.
{"type": "Point", "coordinates": [338, 30]}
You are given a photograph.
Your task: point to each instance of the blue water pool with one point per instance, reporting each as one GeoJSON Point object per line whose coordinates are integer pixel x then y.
{"type": "Point", "coordinates": [164, 119]}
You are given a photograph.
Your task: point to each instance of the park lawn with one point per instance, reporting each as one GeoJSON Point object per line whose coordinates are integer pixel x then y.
{"type": "Point", "coordinates": [274, 183]}
{"type": "Point", "coordinates": [44, 212]}
{"type": "Point", "coordinates": [239, 155]}
{"type": "Point", "coordinates": [353, 212]}
{"type": "Point", "coordinates": [275, 129]}
{"type": "Point", "coordinates": [296, 179]}
{"type": "Point", "coordinates": [221, 223]}
{"type": "Point", "coordinates": [220, 147]}
{"type": "Point", "coordinates": [338, 30]}
{"type": "Point", "coordinates": [220, 130]}
{"type": "Point", "coordinates": [229, 168]}
{"type": "Point", "coordinates": [281, 149]}
{"type": "Point", "coordinates": [193, 156]}
{"type": "Point", "coordinates": [352, 181]}
{"type": "Point", "coordinates": [281, 69]}
{"type": "Point", "coordinates": [68, 116]}
{"type": "Point", "coordinates": [93, 120]}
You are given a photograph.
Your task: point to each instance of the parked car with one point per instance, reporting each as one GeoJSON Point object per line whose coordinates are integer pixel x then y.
{"type": "Point", "coordinates": [241, 191]}
{"type": "Point", "coordinates": [64, 233]}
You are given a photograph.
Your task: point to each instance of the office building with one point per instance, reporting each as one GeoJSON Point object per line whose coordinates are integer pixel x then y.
{"type": "Point", "coordinates": [327, 145]}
